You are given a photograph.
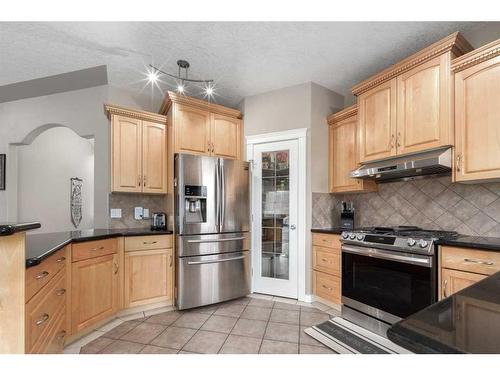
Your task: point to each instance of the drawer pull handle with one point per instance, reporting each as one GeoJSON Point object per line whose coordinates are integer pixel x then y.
{"type": "Point", "coordinates": [42, 319]}
{"type": "Point", "coordinates": [98, 248]}
{"type": "Point", "coordinates": [42, 275]}
{"type": "Point", "coordinates": [61, 335]}
{"type": "Point", "coordinates": [61, 259]}
{"type": "Point", "coordinates": [149, 243]}
{"type": "Point", "coordinates": [468, 260]}
{"type": "Point", "coordinates": [116, 268]}
{"type": "Point", "coordinates": [326, 287]}
{"type": "Point", "coordinates": [324, 260]}
{"type": "Point", "coordinates": [445, 284]}
{"type": "Point", "coordinates": [60, 292]}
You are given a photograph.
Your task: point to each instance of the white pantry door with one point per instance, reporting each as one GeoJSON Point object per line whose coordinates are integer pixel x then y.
{"type": "Point", "coordinates": [275, 208]}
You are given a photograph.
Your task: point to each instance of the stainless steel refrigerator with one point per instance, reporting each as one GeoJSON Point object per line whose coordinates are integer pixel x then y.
{"type": "Point", "coordinates": [212, 223]}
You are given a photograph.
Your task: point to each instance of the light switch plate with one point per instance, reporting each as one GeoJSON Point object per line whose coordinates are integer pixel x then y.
{"type": "Point", "coordinates": [138, 213]}
{"type": "Point", "coordinates": [145, 213]}
{"type": "Point", "coordinates": [116, 213]}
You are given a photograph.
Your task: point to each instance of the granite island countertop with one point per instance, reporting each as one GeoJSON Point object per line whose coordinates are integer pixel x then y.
{"type": "Point", "coordinates": [6, 229]}
{"type": "Point", "coordinates": [40, 246]}
{"type": "Point", "coordinates": [466, 322]}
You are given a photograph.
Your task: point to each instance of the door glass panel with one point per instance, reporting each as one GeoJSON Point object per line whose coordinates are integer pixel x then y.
{"type": "Point", "coordinates": [275, 211]}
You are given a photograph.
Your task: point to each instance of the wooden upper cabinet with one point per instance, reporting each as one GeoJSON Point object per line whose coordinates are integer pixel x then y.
{"type": "Point", "coordinates": [139, 151]}
{"type": "Point", "coordinates": [477, 114]}
{"type": "Point", "coordinates": [154, 157]}
{"type": "Point", "coordinates": [126, 154]}
{"type": "Point", "coordinates": [423, 112]}
{"type": "Point", "coordinates": [377, 122]}
{"type": "Point", "coordinates": [343, 152]}
{"type": "Point", "coordinates": [203, 128]}
{"type": "Point", "coordinates": [192, 130]}
{"type": "Point", "coordinates": [225, 135]}
{"type": "Point", "coordinates": [407, 107]}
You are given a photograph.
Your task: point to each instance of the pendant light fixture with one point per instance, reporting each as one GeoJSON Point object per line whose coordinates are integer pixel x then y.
{"type": "Point", "coordinates": [182, 79]}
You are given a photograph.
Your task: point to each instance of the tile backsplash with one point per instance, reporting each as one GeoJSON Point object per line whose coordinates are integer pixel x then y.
{"type": "Point", "coordinates": [431, 203]}
{"type": "Point", "coordinates": [127, 202]}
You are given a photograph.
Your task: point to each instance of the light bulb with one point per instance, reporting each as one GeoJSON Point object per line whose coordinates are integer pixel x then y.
{"type": "Point", "coordinates": [180, 89]}
{"type": "Point", "coordinates": [209, 91]}
{"type": "Point", "coordinates": [152, 76]}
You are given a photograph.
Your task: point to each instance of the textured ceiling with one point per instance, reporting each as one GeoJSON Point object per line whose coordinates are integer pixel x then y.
{"type": "Point", "coordinates": [244, 58]}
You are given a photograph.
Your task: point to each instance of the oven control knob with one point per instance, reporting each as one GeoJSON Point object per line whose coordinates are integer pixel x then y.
{"type": "Point", "coordinates": [359, 236]}
{"type": "Point", "coordinates": [423, 243]}
{"type": "Point", "coordinates": [345, 235]}
{"type": "Point", "coordinates": [411, 242]}
{"type": "Point", "coordinates": [352, 236]}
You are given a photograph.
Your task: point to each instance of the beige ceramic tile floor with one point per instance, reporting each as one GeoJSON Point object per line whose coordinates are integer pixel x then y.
{"type": "Point", "coordinates": [261, 324]}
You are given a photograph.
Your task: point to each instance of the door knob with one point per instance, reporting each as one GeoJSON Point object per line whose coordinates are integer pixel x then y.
{"type": "Point", "coordinates": [292, 227]}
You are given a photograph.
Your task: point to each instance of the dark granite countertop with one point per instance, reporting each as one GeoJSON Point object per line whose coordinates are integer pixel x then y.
{"type": "Point", "coordinates": [473, 242]}
{"type": "Point", "coordinates": [6, 229]}
{"type": "Point", "coordinates": [334, 230]}
{"type": "Point", "coordinates": [466, 322]}
{"type": "Point", "coordinates": [40, 246]}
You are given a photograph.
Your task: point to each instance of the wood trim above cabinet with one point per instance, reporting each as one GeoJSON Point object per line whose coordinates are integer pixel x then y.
{"type": "Point", "coordinates": [477, 56]}
{"type": "Point", "coordinates": [172, 97]}
{"type": "Point", "coordinates": [134, 113]}
{"type": "Point", "coordinates": [455, 43]}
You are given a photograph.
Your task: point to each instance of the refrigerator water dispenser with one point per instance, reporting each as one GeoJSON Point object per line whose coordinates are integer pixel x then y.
{"type": "Point", "coordinates": [195, 204]}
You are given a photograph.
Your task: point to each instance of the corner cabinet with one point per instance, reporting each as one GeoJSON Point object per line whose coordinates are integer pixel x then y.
{"type": "Point", "coordinates": [477, 114]}
{"type": "Point", "coordinates": [343, 152]}
{"type": "Point", "coordinates": [407, 108]}
{"type": "Point", "coordinates": [202, 128]}
{"type": "Point", "coordinates": [139, 151]}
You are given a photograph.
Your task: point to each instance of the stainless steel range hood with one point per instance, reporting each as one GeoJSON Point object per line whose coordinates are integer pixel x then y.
{"type": "Point", "coordinates": [428, 163]}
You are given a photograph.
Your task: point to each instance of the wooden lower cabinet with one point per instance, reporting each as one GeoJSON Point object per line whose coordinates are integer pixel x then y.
{"type": "Point", "coordinates": [94, 290]}
{"type": "Point", "coordinates": [327, 268]}
{"type": "Point", "coordinates": [454, 281]}
{"type": "Point", "coordinates": [148, 277]}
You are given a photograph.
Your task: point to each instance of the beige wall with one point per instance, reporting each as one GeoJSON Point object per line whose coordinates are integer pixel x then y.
{"type": "Point", "coordinates": [79, 110]}
{"type": "Point", "coordinates": [44, 171]}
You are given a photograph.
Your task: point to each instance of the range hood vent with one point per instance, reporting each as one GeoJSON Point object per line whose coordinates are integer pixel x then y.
{"type": "Point", "coordinates": [428, 163]}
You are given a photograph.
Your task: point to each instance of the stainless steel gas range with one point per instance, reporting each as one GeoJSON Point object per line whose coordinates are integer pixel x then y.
{"type": "Point", "coordinates": [388, 274]}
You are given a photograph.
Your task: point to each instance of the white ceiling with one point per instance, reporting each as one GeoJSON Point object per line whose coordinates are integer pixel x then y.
{"type": "Point", "coordinates": [244, 58]}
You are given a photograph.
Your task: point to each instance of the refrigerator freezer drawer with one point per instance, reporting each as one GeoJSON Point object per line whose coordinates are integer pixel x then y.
{"type": "Point", "coordinates": [205, 244]}
{"type": "Point", "coordinates": [208, 279]}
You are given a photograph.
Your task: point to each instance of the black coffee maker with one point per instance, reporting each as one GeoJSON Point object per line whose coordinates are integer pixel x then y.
{"type": "Point", "coordinates": [347, 215]}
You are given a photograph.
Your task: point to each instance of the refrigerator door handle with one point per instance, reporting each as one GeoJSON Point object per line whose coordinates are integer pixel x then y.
{"type": "Point", "coordinates": [216, 260]}
{"type": "Point", "coordinates": [217, 193]}
{"type": "Point", "coordinates": [217, 240]}
{"type": "Point", "coordinates": [223, 194]}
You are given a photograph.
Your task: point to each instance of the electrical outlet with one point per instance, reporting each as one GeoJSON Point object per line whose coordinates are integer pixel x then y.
{"type": "Point", "coordinates": [138, 213]}
{"type": "Point", "coordinates": [145, 213]}
{"type": "Point", "coordinates": [116, 213]}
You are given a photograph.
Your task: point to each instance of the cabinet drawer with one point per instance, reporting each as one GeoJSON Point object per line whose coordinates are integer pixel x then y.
{"type": "Point", "coordinates": [57, 337]}
{"type": "Point", "coordinates": [40, 275]}
{"type": "Point", "coordinates": [326, 260]}
{"type": "Point", "coordinates": [327, 286]}
{"type": "Point", "coordinates": [42, 310]}
{"type": "Point", "coordinates": [327, 240]}
{"type": "Point", "coordinates": [468, 260]}
{"type": "Point", "coordinates": [148, 242]}
{"type": "Point", "coordinates": [94, 249]}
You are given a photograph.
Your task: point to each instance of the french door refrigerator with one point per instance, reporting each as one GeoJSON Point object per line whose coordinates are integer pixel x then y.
{"type": "Point", "coordinates": [212, 222]}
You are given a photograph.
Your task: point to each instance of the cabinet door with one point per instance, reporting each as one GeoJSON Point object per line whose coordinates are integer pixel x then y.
{"type": "Point", "coordinates": [154, 157]}
{"type": "Point", "coordinates": [342, 151]}
{"type": "Point", "coordinates": [192, 130]}
{"type": "Point", "coordinates": [377, 122]}
{"type": "Point", "coordinates": [423, 112]}
{"type": "Point", "coordinates": [453, 281]}
{"type": "Point", "coordinates": [94, 290]}
{"type": "Point", "coordinates": [126, 154]}
{"type": "Point", "coordinates": [477, 122]}
{"type": "Point", "coordinates": [225, 136]}
{"type": "Point", "coordinates": [148, 276]}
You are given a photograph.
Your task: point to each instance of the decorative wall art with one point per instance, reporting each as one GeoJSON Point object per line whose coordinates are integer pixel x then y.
{"type": "Point", "coordinates": [3, 158]}
{"type": "Point", "coordinates": [76, 201]}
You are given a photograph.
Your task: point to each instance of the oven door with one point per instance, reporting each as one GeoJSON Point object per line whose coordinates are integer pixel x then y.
{"type": "Point", "coordinates": [386, 284]}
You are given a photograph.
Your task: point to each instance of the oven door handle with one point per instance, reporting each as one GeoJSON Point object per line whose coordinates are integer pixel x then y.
{"type": "Point", "coordinates": [381, 254]}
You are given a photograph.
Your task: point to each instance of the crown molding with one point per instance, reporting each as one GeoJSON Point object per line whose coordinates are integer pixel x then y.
{"type": "Point", "coordinates": [484, 53]}
{"type": "Point", "coordinates": [454, 43]}
{"type": "Point", "coordinates": [343, 114]}
{"type": "Point", "coordinates": [172, 97]}
{"type": "Point", "coordinates": [133, 113]}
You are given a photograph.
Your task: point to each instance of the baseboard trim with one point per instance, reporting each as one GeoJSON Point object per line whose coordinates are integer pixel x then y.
{"type": "Point", "coordinates": [326, 302]}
